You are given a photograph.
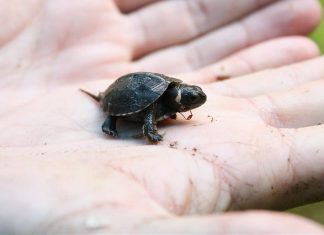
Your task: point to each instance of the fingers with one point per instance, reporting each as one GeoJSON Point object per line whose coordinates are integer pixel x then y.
{"type": "Point", "coordinates": [272, 21]}
{"type": "Point", "coordinates": [172, 22]}
{"type": "Point", "coordinates": [235, 223]}
{"type": "Point", "coordinates": [270, 54]}
{"type": "Point", "coordinates": [301, 106]}
{"type": "Point", "coordinates": [272, 80]}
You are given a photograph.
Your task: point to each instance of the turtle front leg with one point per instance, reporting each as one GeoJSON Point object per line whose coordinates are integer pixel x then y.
{"type": "Point", "coordinates": [149, 127]}
{"type": "Point", "coordinates": [109, 126]}
{"type": "Point", "coordinates": [173, 116]}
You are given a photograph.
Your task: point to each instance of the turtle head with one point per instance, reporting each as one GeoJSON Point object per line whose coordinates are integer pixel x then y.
{"type": "Point", "coordinates": [183, 97]}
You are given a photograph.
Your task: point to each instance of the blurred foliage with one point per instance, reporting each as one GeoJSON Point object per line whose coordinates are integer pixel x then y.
{"type": "Point", "coordinates": [318, 34]}
{"type": "Point", "coordinates": [314, 211]}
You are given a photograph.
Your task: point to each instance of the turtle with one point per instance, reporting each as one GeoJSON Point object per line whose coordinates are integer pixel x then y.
{"type": "Point", "coordinates": [146, 98]}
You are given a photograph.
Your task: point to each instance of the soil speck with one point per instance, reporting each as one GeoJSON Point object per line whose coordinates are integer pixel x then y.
{"type": "Point", "coordinates": [222, 77]}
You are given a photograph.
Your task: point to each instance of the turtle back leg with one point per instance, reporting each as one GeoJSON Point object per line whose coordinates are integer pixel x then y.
{"type": "Point", "coordinates": [149, 127]}
{"type": "Point", "coordinates": [109, 126]}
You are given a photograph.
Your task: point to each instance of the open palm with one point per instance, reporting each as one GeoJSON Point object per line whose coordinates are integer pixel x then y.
{"type": "Point", "coordinates": [60, 173]}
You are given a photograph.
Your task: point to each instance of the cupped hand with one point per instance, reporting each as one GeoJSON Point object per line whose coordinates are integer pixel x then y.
{"type": "Point", "coordinates": [255, 144]}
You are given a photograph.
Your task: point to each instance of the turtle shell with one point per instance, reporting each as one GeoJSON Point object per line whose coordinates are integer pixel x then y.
{"type": "Point", "coordinates": [134, 92]}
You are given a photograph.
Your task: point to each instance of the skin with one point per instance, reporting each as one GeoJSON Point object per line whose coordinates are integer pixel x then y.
{"type": "Point", "coordinates": [257, 143]}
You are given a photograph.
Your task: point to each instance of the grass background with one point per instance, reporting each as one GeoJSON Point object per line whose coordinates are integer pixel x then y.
{"type": "Point", "coordinates": [314, 211]}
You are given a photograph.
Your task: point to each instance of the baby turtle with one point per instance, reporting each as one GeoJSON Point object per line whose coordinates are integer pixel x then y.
{"type": "Point", "coordinates": [146, 98]}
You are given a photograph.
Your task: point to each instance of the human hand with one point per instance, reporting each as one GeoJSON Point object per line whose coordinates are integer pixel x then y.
{"type": "Point", "coordinates": [260, 149]}
{"type": "Point", "coordinates": [48, 44]}
{"type": "Point", "coordinates": [61, 174]}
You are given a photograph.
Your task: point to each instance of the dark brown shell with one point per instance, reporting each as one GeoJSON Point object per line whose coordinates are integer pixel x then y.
{"type": "Point", "coordinates": [134, 92]}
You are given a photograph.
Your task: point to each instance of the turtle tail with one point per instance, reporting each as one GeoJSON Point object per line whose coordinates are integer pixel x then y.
{"type": "Point", "coordinates": [95, 97]}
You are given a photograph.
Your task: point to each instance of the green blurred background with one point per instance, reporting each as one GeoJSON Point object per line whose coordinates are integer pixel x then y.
{"type": "Point", "coordinates": [318, 35]}
{"type": "Point", "coordinates": [314, 211]}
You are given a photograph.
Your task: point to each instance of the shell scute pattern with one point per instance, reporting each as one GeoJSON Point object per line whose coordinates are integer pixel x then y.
{"type": "Point", "coordinates": [133, 93]}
